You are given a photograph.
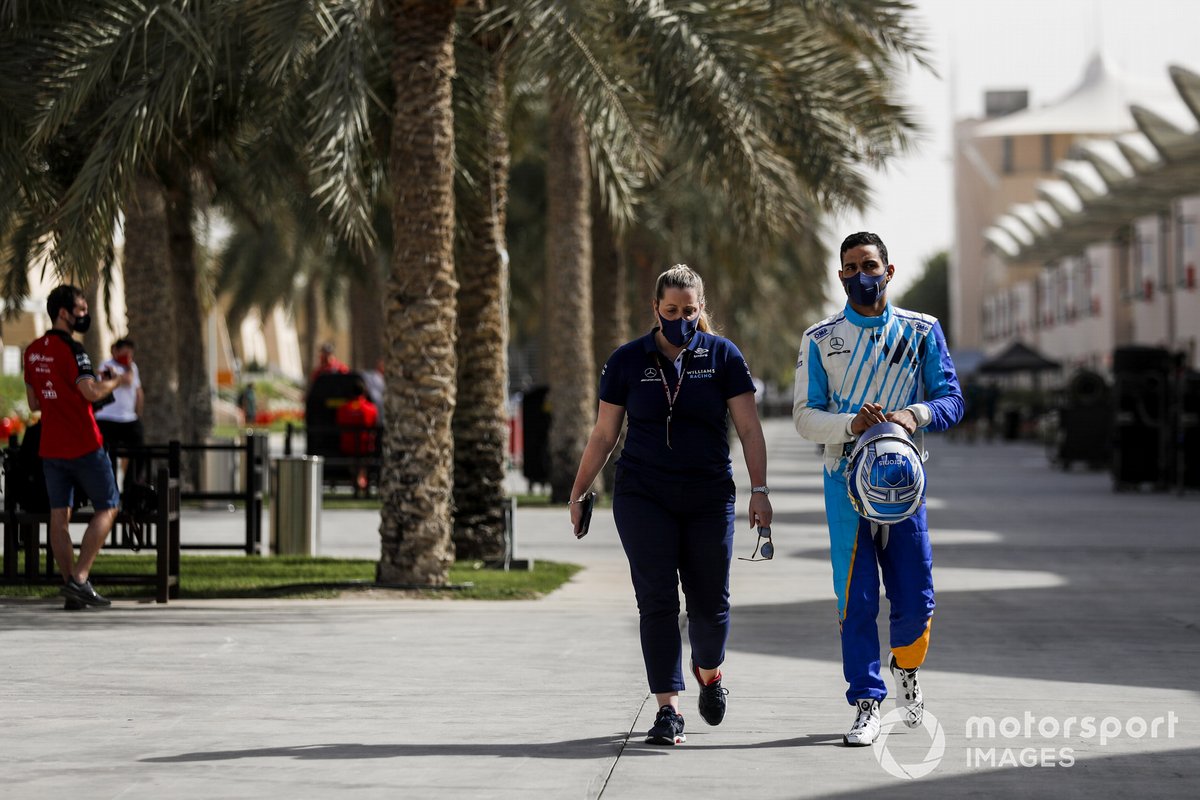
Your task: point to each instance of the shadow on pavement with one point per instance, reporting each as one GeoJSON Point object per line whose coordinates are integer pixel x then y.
{"type": "Point", "coordinates": [1124, 572]}
{"type": "Point", "coordinates": [1158, 774]}
{"type": "Point", "coordinates": [596, 747]}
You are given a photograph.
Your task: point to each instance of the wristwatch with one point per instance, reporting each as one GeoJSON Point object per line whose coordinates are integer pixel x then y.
{"type": "Point", "coordinates": [759, 490]}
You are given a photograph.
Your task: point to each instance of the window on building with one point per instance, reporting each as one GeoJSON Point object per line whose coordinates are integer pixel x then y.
{"type": "Point", "coordinates": [1185, 274]}
{"type": "Point", "coordinates": [1047, 152]}
{"type": "Point", "coordinates": [1162, 253]}
{"type": "Point", "coordinates": [1124, 242]}
{"type": "Point", "coordinates": [1145, 267]}
{"type": "Point", "coordinates": [1008, 165]}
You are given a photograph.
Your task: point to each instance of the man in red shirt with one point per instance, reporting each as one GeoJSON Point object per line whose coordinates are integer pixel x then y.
{"type": "Point", "coordinates": [358, 416]}
{"type": "Point", "coordinates": [327, 364]}
{"type": "Point", "coordinates": [60, 383]}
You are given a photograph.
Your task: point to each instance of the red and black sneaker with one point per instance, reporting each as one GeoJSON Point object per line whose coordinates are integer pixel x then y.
{"type": "Point", "coordinates": [712, 697]}
{"type": "Point", "coordinates": [668, 728]}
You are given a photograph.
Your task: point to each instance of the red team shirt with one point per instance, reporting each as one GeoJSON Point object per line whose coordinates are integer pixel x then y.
{"type": "Point", "coordinates": [357, 413]}
{"type": "Point", "coordinates": [54, 363]}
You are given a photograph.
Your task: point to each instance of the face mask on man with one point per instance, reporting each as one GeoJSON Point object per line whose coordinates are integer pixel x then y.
{"type": "Point", "coordinates": [865, 290]}
{"type": "Point", "coordinates": [124, 359]}
{"type": "Point", "coordinates": [678, 331]}
{"type": "Point", "coordinates": [81, 323]}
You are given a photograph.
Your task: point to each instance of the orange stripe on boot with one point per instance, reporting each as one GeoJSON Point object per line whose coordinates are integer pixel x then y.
{"type": "Point", "coordinates": [912, 655]}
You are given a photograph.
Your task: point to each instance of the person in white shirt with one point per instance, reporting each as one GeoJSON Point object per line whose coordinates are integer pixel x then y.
{"type": "Point", "coordinates": [120, 421]}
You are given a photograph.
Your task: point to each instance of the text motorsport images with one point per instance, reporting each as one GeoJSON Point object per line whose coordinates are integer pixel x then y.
{"type": "Point", "coordinates": [982, 735]}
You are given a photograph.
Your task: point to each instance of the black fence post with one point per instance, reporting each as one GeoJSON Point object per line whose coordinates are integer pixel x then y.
{"type": "Point", "coordinates": [254, 456]}
{"type": "Point", "coordinates": [10, 527]}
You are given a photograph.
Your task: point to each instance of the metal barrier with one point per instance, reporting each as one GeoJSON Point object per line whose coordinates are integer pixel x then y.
{"type": "Point", "coordinates": [341, 468]}
{"type": "Point", "coordinates": [254, 467]}
{"type": "Point", "coordinates": [22, 531]}
{"type": "Point", "coordinates": [253, 451]}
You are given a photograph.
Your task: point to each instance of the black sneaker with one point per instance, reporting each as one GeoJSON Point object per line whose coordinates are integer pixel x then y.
{"type": "Point", "coordinates": [712, 698]}
{"type": "Point", "coordinates": [84, 593]}
{"type": "Point", "coordinates": [668, 728]}
{"type": "Point", "coordinates": [71, 604]}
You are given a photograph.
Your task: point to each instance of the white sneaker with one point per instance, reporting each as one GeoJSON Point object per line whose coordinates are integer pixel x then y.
{"type": "Point", "coordinates": [908, 688]}
{"type": "Point", "coordinates": [866, 724]}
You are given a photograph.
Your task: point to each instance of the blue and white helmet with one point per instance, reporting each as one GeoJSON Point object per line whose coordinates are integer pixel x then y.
{"type": "Point", "coordinates": [885, 478]}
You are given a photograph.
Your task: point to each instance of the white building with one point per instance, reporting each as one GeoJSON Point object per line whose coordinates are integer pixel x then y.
{"type": "Point", "coordinates": [1101, 251]}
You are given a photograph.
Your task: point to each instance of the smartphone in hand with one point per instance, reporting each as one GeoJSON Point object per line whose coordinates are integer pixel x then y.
{"type": "Point", "coordinates": [585, 520]}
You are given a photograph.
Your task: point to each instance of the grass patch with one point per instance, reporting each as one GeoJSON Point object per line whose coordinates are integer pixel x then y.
{"type": "Point", "coordinates": [543, 501]}
{"type": "Point", "coordinates": [213, 577]}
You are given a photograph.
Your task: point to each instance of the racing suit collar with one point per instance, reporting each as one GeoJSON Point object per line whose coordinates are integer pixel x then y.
{"type": "Point", "coordinates": [868, 322]}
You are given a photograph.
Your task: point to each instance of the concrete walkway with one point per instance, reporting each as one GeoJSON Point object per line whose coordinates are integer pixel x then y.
{"type": "Point", "coordinates": [1058, 600]}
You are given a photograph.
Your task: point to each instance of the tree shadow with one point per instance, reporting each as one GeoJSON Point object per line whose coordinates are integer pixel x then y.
{"type": "Point", "coordinates": [1142, 775]}
{"type": "Point", "coordinates": [576, 749]}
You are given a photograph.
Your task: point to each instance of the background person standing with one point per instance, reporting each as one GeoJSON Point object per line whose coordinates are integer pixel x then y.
{"type": "Point", "coordinates": [60, 383]}
{"type": "Point", "coordinates": [121, 420]}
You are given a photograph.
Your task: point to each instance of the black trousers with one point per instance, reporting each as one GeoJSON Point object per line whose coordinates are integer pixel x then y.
{"type": "Point", "coordinates": [129, 434]}
{"type": "Point", "coordinates": [677, 532]}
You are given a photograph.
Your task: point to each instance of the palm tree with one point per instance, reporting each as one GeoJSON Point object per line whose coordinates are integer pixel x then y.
{"type": "Point", "coordinates": [568, 339]}
{"type": "Point", "coordinates": [771, 109]}
{"type": "Point", "coordinates": [421, 303]}
{"type": "Point", "coordinates": [480, 424]}
{"type": "Point", "coordinates": [151, 307]}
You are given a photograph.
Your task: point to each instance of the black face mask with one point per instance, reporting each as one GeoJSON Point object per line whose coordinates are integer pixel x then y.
{"type": "Point", "coordinates": [82, 323]}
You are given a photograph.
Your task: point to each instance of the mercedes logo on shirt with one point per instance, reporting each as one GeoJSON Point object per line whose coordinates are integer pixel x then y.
{"type": "Point", "coordinates": [650, 372]}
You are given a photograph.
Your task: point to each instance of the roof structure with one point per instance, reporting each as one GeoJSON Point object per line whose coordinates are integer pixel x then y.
{"type": "Point", "coordinates": [1098, 105]}
{"type": "Point", "coordinates": [1018, 357]}
{"type": "Point", "coordinates": [1106, 182]}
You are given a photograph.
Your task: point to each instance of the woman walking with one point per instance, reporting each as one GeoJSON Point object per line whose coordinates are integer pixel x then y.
{"type": "Point", "coordinates": [673, 500]}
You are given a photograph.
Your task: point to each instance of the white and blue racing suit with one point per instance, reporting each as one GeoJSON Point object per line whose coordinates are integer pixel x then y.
{"type": "Point", "coordinates": [900, 361]}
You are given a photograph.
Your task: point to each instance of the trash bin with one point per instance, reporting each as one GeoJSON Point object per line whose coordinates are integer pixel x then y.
{"type": "Point", "coordinates": [296, 505]}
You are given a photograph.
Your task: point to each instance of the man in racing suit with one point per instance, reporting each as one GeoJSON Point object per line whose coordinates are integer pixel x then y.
{"type": "Point", "coordinates": [871, 363]}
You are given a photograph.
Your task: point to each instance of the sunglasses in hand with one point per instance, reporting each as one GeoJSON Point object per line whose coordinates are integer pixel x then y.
{"type": "Point", "coordinates": [766, 548]}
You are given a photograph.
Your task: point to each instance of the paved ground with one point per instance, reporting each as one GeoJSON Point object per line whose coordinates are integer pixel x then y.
{"type": "Point", "coordinates": [1058, 601]}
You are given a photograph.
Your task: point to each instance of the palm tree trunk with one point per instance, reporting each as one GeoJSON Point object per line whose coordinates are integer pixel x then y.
{"type": "Point", "coordinates": [420, 300]}
{"type": "Point", "coordinates": [610, 284]}
{"type": "Point", "coordinates": [610, 292]}
{"type": "Point", "coordinates": [91, 339]}
{"type": "Point", "coordinates": [366, 316]}
{"type": "Point", "coordinates": [480, 417]}
{"type": "Point", "coordinates": [150, 306]}
{"type": "Point", "coordinates": [309, 327]}
{"type": "Point", "coordinates": [195, 400]}
{"type": "Point", "coordinates": [568, 294]}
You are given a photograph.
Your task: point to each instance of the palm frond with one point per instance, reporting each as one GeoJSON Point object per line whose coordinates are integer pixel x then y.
{"type": "Point", "coordinates": [563, 41]}
{"type": "Point", "coordinates": [339, 95]}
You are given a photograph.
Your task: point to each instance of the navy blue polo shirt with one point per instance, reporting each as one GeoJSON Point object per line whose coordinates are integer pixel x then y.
{"type": "Point", "coordinates": [713, 371]}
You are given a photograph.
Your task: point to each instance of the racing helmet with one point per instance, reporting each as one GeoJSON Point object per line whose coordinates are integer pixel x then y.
{"type": "Point", "coordinates": [885, 478]}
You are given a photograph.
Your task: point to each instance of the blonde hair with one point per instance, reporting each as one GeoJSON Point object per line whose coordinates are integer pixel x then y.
{"type": "Point", "coordinates": [681, 276]}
